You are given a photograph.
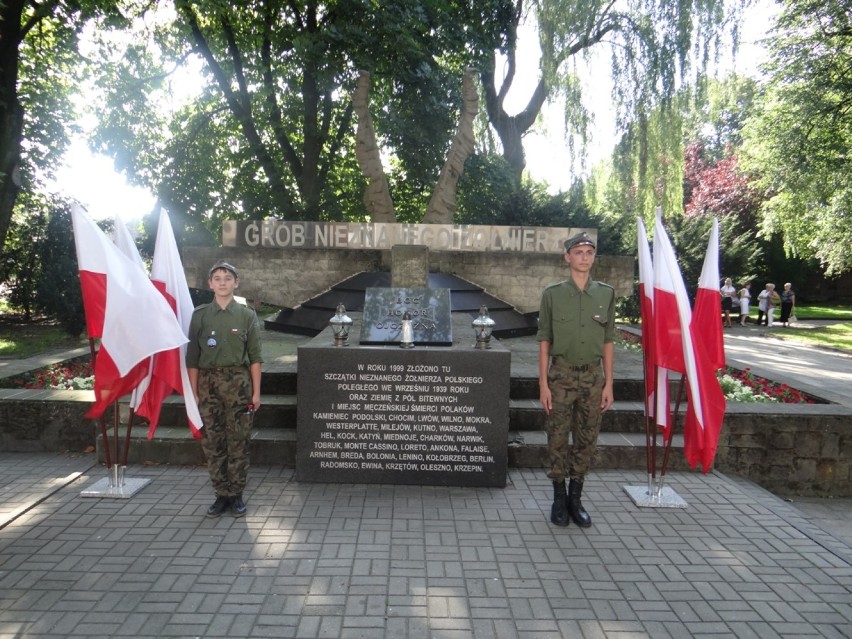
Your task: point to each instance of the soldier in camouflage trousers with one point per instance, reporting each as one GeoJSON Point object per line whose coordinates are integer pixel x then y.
{"type": "Point", "coordinates": [576, 338]}
{"type": "Point", "coordinates": [223, 360]}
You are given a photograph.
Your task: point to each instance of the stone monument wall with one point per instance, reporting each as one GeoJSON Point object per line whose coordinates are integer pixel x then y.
{"type": "Point", "coordinates": [289, 277]}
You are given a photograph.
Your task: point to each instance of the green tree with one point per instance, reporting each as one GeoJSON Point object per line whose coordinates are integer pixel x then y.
{"type": "Point", "coordinates": [38, 58]}
{"type": "Point", "coordinates": [799, 143]}
{"type": "Point", "coordinates": [271, 131]}
{"type": "Point", "coordinates": [652, 46]}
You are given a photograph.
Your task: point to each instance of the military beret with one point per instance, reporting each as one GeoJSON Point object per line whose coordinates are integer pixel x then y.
{"type": "Point", "coordinates": [581, 239]}
{"type": "Point", "coordinates": [223, 265]}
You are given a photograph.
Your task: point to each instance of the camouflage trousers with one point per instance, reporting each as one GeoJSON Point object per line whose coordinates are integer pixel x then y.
{"type": "Point", "coordinates": [576, 396]}
{"type": "Point", "coordinates": [223, 394]}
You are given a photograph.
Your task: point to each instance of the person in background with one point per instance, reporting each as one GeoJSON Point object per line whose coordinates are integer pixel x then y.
{"type": "Point", "coordinates": [728, 294]}
{"type": "Point", "coordinates": [788, 304]}
{"type": "Point", "coordinates": [223, 360]}
{"type": "Point", "coordinates": [763, 305]}
{"type": "Point", "coordinates": [745, 300]}
{"type": "Point", "coordinates": [576, 337]}
{"type": "Point", "coordinates": [773, 300]}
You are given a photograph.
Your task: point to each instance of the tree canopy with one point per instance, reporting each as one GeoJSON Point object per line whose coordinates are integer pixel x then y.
{"type": "Point", "coordinates": [799, 143]}
{"type": "Point", "coordinates": [652, 45]}
{"type": "Point", "coordinates": [271, 131]}
{"type": "Point", "coordinates": [38, 59]}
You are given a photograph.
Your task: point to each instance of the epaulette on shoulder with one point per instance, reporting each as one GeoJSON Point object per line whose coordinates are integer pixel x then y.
{"type": "Point", "coordinates": [605, 285]}
{"type": "Point", "coordinates": [201, 306]}
{"type": "Point", "coordinates": [555, 284]}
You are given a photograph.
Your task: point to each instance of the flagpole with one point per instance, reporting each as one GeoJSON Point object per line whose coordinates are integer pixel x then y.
{"type": "Point", "coordinates": [102, 420]}
{"type": "Point", "coordinates": [650, 422]}
{"type": "Point", "coordinates": [126, 452]}
{"type": "Point", "coordinates": [667, 440]}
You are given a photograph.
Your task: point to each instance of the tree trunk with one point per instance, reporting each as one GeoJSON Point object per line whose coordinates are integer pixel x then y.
{"type": "Point", "coordinates": [377, 199]}
{"type": "Point", "coordinates": [511, 128]}
{"type": "Point", "coordinates": [11, 113]}
{"type": "Point", "coordinates": [442, 205]}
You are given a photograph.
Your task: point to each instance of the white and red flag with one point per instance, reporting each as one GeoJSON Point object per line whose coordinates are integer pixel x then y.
{"type": "Point", "coordinates": [168, 372]}
{"type": "Point", "coordinates": [123, 309]}
{"type": "Point", "coordinates": [656, 378]}
{"type": "Point", "coordinates": [124, 241]}
{"type": "Point", "coordinates": [706, 314]}
{"type": "Point", "coordinates": [706, 405]}
{"type": "Point", "coordinates": [701, 429]}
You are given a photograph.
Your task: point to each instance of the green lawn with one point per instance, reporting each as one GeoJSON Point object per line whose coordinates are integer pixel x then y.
{"type": "Point", "coordinates": [18, 339]}
{"type": "Point", "coordinates": [813, 311]}
{"type": "Point", "coordinates": [837, 336]}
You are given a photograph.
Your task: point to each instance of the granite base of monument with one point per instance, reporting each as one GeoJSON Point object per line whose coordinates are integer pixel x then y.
{"type": "Point", "coordinates": [382, 414]}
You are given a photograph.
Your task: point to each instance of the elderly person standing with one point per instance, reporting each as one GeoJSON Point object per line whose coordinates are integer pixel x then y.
{"type": "Point", "coordinates": [728, 294]}
{"type": "Point", "coordinates": [788, 304]}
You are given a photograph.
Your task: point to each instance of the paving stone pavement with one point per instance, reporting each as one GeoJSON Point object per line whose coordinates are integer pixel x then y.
{"type": "Point", "coordinates": [335, 560]}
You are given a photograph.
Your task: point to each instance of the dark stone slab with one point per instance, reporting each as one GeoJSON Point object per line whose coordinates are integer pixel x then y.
{"type": "Point", "coordinates": [429, 416]}
{"type": "Point", "coordinates": [430, 312]}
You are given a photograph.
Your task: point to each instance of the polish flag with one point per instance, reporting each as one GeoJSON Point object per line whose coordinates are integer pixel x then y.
{"type": "Point", "coordinates": [123, 309]}
{"type": "Point", "coordinates": [124, 241]}
{"type": "Point", "coordinates": [656, 378]}
{"type": "Point", "coordinates": [168, 373]}
{"type": "Point", "coordinates": [706, 406]}
{"type": "Point", "coordinates": [701, 429]}
{"type": "Point", "coordinates": [669, 324]}
{"type": "Point", "coordinates": [706, 315]}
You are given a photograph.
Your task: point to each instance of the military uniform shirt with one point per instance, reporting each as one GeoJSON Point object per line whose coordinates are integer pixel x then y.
{"type": "Point", "coordinates": [220, 338]}
{"type": "Point", "coordinates": [577, 322]}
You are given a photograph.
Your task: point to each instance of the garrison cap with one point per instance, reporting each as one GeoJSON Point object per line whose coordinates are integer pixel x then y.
{"type": "Point", "coordinates": [222, 264]}
{"type": "Point", "coordinates": [581, 239]}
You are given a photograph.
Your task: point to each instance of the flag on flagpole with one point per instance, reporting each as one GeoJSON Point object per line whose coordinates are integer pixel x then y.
{"type": "Point", "coordinates": [706, 315]}
{"type": "Point", "coordinates": [126, 245]}
{"type": "Point", "coordinates": [669, 325]}
{"type": "Point", "coordinates": [656, 378]}
{"type": "Point", "coordinates": [123, 309]}
{"type": "Point", "coordinates": [169, 372]}
{"type": "Point", "coordinates": [701, 430]}
{"type": "Point", "coordinates": [706, 402]}
{"type": "Point", "coordinates": [124, 241]}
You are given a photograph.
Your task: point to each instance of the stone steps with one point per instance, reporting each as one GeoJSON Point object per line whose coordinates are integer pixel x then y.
{"type": "Point", "coordinates": [621, 444]}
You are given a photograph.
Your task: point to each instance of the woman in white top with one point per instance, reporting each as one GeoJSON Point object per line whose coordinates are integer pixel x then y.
{"type": "Point", "coordinates": [745, 300]}
{"type": "Point", "coordinates": [728, 294]}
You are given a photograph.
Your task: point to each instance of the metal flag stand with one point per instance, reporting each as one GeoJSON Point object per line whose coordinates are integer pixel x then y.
{"type": "Point", "coordinates": [656, 494]}
{"type": "Point", "coordinates": [115, 485]}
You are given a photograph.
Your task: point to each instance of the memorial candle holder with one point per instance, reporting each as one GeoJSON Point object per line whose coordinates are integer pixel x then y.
{"type": "Point", "coordinates": [483, 326]}
{"type": "Point", "coordinates": [340, 324]}
{"type": "Point", "coordinates": [407, 338]}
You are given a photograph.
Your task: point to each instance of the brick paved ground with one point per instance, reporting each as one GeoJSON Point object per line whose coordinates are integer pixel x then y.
{"type": "Point", "coordinates": [315, 560]}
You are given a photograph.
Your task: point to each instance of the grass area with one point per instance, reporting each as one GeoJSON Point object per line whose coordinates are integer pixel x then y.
{"type": "Point", "coordinates": [837, 336]}
{"type": "Point", "coordinates": [19, 339]}
{"type": "Point", "coordinates": [839, 313]}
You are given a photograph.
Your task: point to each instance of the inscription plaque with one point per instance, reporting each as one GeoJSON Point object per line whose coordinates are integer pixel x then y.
{"type": "Point", "coordinates": [429, 309]}
{"type": "Point", "coordinates": [429, 416]}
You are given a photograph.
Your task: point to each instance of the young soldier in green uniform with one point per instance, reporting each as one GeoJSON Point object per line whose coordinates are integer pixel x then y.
{"type": "Point", "coordinates": [223, 360]}
{"type": "Point", "coordinates": [576, 336]}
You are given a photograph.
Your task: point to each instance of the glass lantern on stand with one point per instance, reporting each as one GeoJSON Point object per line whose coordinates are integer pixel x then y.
{"type": "Point", "coordinates": [340, 324]}
{"type": "Point", "coordinates": [483, 326]}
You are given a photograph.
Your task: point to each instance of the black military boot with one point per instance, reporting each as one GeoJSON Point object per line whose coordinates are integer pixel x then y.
{"type": "Point", "coordinates": [575, 506]}
{"type": "Point", "coordinates": [559, 512]}
{"type": "Point", "coordinates": [238, 507]}
{"type": "Point", "coordinates": [219, 506]}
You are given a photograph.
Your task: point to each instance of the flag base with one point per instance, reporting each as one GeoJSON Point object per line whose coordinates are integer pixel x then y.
{"type": "Point", "coordinates": [116, 486]}
{"type": "Point", "coordinates": [666, 498]}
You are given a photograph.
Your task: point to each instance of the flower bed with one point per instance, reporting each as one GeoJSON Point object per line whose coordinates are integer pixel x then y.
{"type": "Point", "coordinates": [70, 375]}
{"type": "Point", "coordinates": [738, 386]}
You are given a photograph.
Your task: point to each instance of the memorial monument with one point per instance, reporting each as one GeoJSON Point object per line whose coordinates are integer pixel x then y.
{"type": "Point", "coordinates": [435, 411]}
